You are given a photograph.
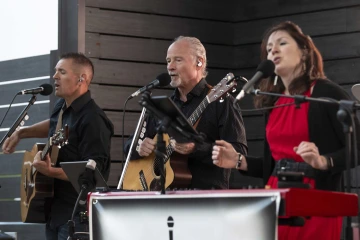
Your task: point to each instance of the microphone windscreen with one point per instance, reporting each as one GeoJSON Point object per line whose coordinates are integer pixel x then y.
{"type": "Point", "coordinates": [164, 79]}
{"type": "Point", "coordinates": [267, 67]}
{"type": "Point", "coordinates": [48, 89]}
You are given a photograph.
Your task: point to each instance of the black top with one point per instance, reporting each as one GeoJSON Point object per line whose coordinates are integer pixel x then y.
{"type": "Point", "coordinates": [218, 121]}
{"type": "Point", "coordinates": [90, 132]}
{"type": "Point", "coordinates": [325, 131]}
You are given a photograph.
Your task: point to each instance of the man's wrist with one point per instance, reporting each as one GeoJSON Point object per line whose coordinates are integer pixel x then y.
{"type": "Point", "coordinates": [239, 161]}
{"type": "Point", "coordinates": [328, 162]}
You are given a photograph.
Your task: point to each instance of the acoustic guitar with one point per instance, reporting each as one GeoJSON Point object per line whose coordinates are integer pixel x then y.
{"type": "Point", "coordinates": [141, 174]}
{"type": "Point", "coordinates": [36, 188]}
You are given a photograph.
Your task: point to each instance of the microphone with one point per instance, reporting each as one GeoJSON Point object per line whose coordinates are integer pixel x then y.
{"type": "Point", "coordinates": [265, 69]}
{"type": "Point", "coordinates": [44, 89]}
{"type": "Point", "coordinates": [161, 80]}
{"type": "Point", "coordinates": [87, 180]}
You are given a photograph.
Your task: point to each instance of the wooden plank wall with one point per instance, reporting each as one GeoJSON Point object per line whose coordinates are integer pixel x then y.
{"type": "Point", "coordinates": [16, 75]}
{"type": "Point", "coordinates": [128, 40]}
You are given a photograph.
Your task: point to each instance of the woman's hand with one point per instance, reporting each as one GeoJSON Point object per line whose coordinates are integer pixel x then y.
{"type": "Point", "coordinates": [309, 152]}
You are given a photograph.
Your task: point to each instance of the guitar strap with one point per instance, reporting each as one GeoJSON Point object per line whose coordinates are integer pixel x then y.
{"type": "Point", "coordinates": [55, 150]}
{"type": "Point", "coordinates": [197, 122]}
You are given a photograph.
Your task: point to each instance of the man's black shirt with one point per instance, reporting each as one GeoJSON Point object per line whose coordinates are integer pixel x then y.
{"type": "Point", "coordinates": [218, 121]}
{"type": "Point", "coordinates": [90, 134]}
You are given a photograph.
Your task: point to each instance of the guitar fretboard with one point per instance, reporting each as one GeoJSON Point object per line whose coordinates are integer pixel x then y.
{"type": "Point", "coordinates": [46, 150]}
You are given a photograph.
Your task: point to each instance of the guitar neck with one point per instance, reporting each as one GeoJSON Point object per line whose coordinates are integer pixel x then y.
{"type": "Point", "coordinates": [198, 111]}
{"type": "Point", "coordinates": [46, 150]}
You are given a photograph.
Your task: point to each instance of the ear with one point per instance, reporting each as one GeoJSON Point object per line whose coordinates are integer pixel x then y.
{"type": "Point", "coordinates": [199, 62]}
{"type": "Point", "coordinates": [305, 53]}
{"type": "Point", "coordinates": [81, 79]}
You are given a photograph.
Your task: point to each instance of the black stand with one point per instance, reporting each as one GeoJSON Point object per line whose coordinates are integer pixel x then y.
{"type": "Point", "coordinates": [87, 182]}
{"type": "Point", "coordinates": [165, 124]}
{"type": "Point", "coordinates": [345, 116]}
{"type": "Point", "coordinates": [18, 120]}
{"type": "Point", "coordinates": [71, 222]}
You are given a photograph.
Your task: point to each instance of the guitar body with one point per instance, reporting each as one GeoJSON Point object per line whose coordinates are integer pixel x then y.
{"type": "Point", "coordinates": [35, 188]}
{"type": "Point", "coordinates": [141, 175]}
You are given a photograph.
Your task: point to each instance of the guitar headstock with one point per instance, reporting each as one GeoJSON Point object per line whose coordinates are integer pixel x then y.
{"type": "Point", "coordinates": [60, 138]}
{"type": "Point", "coordinates": [226, 84]}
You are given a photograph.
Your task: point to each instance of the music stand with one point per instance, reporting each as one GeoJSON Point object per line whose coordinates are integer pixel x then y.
{"type": "Point", "coordinates": [74, 169]}
{"type": "Point", "coordinates": [166, 105]}
{"type": "Point", "coordinates": [355, 90]}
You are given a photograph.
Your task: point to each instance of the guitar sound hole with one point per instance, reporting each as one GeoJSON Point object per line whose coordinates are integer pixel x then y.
{"type": "Point", "coordinates": [157, 171]}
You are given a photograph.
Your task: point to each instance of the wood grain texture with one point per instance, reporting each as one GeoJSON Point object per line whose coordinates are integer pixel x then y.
{"type": "Point", "coordinates": [8, 92]}
{"type": "Point", "coordinates": [11, 163]}
{"type": "Point", "coordinates": [36, 113]}
{"type": "Point", "coordinates": [10, 187]}
{"type": "Point", "coordinates": [140, 74]}
{"type": "Point", "coordinates": [332, 47]}
{"type": "Point", "coordinates": [327, 22]}
{"type": "Point", "coordinates": [256, 9]}
{"type": "Point", "coordinates": [147, 25]}
{"type": "Point", "coordinates": [131, 121]}
{"type": "Point", "coordinates": [10, 210]}
{"type": "Point", "coordinates": [148, 50]}
{"type": "Point", "coordinates": [113, 98]}
{"type": "Point", "coordinates": [186, 8]}
{"type": "Point", "coordinates": [115, 174]}
{"type": "Point", "coordinates": [117, 149]}
{"type": "Point", "coordinates": [25, 68]}
{"type": "Point", "coordinates": [25, 231]}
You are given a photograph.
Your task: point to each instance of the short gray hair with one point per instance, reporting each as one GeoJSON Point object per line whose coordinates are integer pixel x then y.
{"type": "Point", "coordinates": [198, 49]}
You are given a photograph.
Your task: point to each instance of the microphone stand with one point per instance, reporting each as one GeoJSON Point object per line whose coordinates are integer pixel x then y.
{"type": "Point", "coordinates": [71, 222]}
{"type": "Point", "coordinates": [165, 123]}
{"type": "Point", "coordinates": [345, 114]}
{"type": "Point", "coordinates": [18, 120]}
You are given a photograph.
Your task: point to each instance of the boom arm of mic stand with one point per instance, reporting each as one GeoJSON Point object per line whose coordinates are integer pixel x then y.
{"type": "Point", "coordinates": [18, 120]}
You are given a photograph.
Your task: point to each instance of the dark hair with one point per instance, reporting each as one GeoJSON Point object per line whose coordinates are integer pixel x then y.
{"type": "Point", "coordinates": [80, 59]}
{"type": "Point", "coordinates": [313, 65]}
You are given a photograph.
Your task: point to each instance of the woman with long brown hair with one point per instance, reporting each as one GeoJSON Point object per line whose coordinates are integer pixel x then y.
{"type": "Point", "coordinates": [308, 139]}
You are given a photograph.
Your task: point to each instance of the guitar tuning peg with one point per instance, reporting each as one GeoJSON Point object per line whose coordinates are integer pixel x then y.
{"type": "Point", "coordinates": [22, 123]}
{"type": "Point", "coordinates": [228, 94]}
{"type": "Point", "coordinates": [59, 146]}
{"type": "Point", "coordinates": [18, 128]}
{"type": "Point", "coordinates": [221, 100]}
{"type": "Point", "coordinates": [26, 117]}
{"type": "Point", "coordinates": [233, 90]}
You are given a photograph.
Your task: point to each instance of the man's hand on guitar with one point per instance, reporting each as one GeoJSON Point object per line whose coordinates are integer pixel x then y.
{"type": "Point", "coordinates": [43, 166]}
{"type": "Point", "coordinates": [11, 143]}
{"type": "Point", "coordinates": [182, 148]}
{"type": "Point", "coordinates": [146, 147]}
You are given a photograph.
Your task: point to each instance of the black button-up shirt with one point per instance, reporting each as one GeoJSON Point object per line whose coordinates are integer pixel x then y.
{"type": "Point", "coordinates": [218, 121]}
{"type": "Point", "coordinates": [90, 133]}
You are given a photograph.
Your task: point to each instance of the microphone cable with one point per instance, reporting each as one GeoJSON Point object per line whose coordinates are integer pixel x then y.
{"type": "Point", "coordinates": [123, 132]}
{"type": "Point", "coordinates": [8, 110]}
